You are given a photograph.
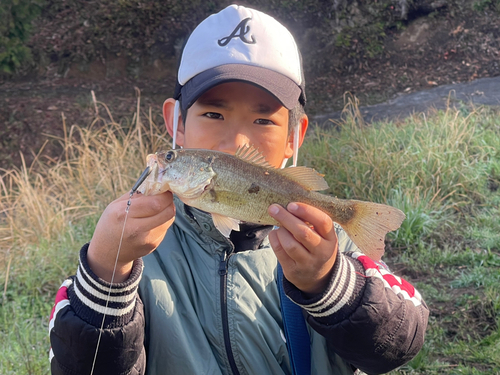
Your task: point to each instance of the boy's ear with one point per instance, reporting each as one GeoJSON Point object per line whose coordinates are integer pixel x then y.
{"type": "Point", "coordinates": [168, 116]}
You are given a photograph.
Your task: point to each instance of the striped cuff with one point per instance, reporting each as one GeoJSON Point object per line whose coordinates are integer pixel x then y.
{"type": "Point", "coordinates": [342, 296]}
{"type": "Point", "coordinates": [93, 299]}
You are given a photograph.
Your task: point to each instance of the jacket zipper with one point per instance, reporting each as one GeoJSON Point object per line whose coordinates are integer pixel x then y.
{"type": "Point", "coordinates": [223, 304]}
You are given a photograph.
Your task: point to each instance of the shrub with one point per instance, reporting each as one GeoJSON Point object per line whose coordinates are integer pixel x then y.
{"type": "Point", "coordinates": [15, 26]}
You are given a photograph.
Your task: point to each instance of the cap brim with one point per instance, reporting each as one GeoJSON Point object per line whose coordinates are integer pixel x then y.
{"type": "Point", "coordinates": [280, 86]}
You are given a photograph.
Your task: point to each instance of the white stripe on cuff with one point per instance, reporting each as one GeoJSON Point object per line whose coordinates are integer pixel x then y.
{"type": "Point", "coordinates": [104, 296]}
{"type": "Point", "coordinates": [102, 309]}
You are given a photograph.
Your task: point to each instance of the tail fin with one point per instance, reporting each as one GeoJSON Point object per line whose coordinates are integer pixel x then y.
{"type": "Point", "coordinates": [368, 227]}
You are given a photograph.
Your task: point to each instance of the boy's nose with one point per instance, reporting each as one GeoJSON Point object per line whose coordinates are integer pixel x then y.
{"type": "Point", "coordinates": [231, 142]}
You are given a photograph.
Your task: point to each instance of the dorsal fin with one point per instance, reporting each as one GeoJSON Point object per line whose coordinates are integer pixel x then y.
{"type": "Point", "coordinates": [252, 155]}
{"type": "Point", "coordinates": [308, 178]}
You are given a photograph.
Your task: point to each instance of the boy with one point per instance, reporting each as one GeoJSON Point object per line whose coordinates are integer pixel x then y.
{"type": "Point", "coordinates": [206, 304]}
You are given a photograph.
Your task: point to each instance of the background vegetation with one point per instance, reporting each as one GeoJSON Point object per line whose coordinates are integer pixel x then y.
{"type": "Point", "coordinates": [334, 35]}
{"type": "Point", "coordinates": [375, 49]}
{"type": "Point", "coordinates": [91, 29]}
{"type": "Point", "coordinates": [16, 18]}
{"type": "Point", "coordinates": [442, 170]}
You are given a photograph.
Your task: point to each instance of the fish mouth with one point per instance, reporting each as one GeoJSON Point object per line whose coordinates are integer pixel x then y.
{"type": "Point", "coordinates": [153, 185]}
{"type": "Point", "coordinates": [209, 186]}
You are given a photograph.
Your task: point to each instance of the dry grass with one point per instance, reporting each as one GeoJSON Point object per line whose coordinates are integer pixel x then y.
{"type": "Point", "coordinates": [99, 163]}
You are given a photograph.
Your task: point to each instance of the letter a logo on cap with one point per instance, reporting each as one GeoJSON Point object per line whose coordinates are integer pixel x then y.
{"type": "Point", "coordinates": [239, 32]}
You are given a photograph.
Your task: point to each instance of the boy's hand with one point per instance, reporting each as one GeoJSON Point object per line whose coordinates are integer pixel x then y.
{"type": "Point", "coordinates": [305, 244]}
{"type": "Point", "coordinates": [148, 219]}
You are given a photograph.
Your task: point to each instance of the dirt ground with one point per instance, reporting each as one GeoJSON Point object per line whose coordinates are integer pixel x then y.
{"type": "Point", "coordinates": [429, 53]}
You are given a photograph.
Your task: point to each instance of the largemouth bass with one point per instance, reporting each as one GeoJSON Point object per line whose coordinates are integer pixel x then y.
{"type": "Point", "coordinates": [241, 187]}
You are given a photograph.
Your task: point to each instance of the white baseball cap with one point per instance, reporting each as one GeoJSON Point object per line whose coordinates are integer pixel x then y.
{"type": "Point", "coordinates": [241, 44]}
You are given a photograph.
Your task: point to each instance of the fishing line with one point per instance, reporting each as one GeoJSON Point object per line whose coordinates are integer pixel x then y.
{"type": "Point", "coordinates": [138, 183]}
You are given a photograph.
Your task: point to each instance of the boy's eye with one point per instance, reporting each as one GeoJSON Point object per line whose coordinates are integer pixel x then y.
{"type": "Point", "coordinates": [263, 121]}
{"type": "Point", "coordinates": [213, 115]}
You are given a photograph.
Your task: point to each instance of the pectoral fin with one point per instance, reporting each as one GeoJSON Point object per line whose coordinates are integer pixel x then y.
{"type": "Point", "coordinates": [225, 224]}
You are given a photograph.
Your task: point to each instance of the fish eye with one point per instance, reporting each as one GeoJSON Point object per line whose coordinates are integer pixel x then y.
{"type": "Point", "coordinates": [170, 156]}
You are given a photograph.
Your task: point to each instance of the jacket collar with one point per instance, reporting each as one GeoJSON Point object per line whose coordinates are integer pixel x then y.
{"type": "Point", "coordinates": [200, 224]}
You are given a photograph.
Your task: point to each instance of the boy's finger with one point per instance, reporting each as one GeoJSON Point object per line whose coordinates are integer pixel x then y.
{"type": "Point", "coordinates": [146, 206]}
{"type": "Point", "coordinates": [281, 254]}
{"type": "Point", "coordinates": [297, 227]}
{"type": "Point", "coordinates": [286, 219]}
{"type": "Point", "coordinates": [148, 223]}
{"type": "Point", "coordinates": [293, 247]}
{"type": "Point", "coordinates": [321, 222]}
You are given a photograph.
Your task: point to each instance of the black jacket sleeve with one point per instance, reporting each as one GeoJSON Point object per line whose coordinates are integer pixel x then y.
{"type": "Point", "coordinates": [78, 344]}
{"type": "Point", "coordinates": [373, 319]}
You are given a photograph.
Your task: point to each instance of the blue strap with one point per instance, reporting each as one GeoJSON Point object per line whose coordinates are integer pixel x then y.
{"type": "Point", "coordinates": [296, 334]}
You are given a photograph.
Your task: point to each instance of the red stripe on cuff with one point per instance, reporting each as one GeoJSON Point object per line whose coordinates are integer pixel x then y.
{"type": "Point", "coordinates": [62, 294]}
{"type": "Point", "coordinates": [404, 285]}
{"type": "Point", "coordinates": [369, 263]}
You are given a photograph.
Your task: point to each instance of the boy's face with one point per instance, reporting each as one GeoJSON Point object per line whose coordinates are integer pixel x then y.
{"type": "Point", "coordinates": [234, 114]}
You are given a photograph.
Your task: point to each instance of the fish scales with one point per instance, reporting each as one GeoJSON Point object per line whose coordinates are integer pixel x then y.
{"type": "Point", "coordinates": [241, 187]}
{"type": "Point", "coordinates": [253, 187]}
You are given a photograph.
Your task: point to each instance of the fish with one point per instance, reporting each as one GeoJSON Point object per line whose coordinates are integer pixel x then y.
{"type": "Point", "coordinates": [240, 188]}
